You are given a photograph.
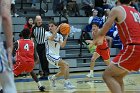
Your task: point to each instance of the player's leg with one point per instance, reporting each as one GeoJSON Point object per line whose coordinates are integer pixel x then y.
{"type": "Point", "coordinates": [59, 63]}
{"type": "Point", "coordinates": [106, 56]}
{"type": "Point", "coordinates": [34, 76]}
{"type": "Point", "coordinates": [92, 63]}
{"type": "Point", "coordinates": [107, 62]}
{"type": "Point", "coordinates": [120, 80]}
{"type": "Point", "coordinates": [64, 70]}
{"type": "Point", "coordinates": [6, 74]}
{"type": "Point", "coordinates": [7, 82]}
{"type": "Point", "coordinates": [110, 77]}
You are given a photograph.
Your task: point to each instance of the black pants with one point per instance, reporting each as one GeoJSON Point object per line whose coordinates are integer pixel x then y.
{"type": "Point", "coordinates": [42, 57]}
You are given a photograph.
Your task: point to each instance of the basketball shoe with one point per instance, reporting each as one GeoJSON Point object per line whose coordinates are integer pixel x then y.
{"type": "Point", "coordinates": [52, 81]}
{"type": "Point", "coordinates": [68, 85]}
{"type": "Point", "coordinates": [41, 88]}
{"type": "Point", "coordinates": [89, 75]}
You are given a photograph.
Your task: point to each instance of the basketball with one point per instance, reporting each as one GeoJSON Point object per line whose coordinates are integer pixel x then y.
{"type": "Point", "coordinates": [65, 29]}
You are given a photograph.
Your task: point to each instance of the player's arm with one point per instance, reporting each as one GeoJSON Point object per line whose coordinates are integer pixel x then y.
{"type": "Point", "coordinates": [62, 44]}
{"type": "Point", "coordinates": [15, 48]}
{"type": "Point", "coordinates": [36, 58]}
{"type": "Point", "coordinates": [54, 34]}
{"type": "Point", "coordinates": [5, 11]}
{"type": "Point", "coordinates": [14, 51]}
{"type": "Point", "coordinates": [98, 40]}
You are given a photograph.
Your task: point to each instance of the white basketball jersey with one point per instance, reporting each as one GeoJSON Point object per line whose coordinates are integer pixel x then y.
{"type": "Point", "coordinates": [53, 47]}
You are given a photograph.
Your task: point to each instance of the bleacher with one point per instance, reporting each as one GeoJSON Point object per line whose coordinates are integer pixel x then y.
{"type": "Point", "coordinates": [76, 55]}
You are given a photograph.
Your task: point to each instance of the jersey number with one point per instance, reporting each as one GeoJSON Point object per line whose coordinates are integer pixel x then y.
{"type": "Point", "coordinates": [26, 47]}
{"type": "Point", "coordinates": [135, 16]}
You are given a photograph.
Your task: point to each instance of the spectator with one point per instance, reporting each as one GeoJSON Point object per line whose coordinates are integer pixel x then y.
{"type": "Point", "coordinates": [13, 9]}
{"type": "Point", "coordinates": [100, 5]}
{"type": "Point", "coordinates": [87, 6]}
{"type": "Point", "coordinates": [38, 35]}
{"type": "Point", "coordinates": [59, 7]}
{"type": "Point", "coordinates": [94, 14]}
{"type": "Point", "coordinates": [29, 24]}
{"type": "Point", "coordinates": [73, 7]}
{"type": "Point", "coordinates": [93, 18]}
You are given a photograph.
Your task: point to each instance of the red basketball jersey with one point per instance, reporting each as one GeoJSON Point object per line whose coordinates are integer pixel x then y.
{"type": "Point", "coordinates": [104, 45]}
{"type": "Point", "coordinates": [129, 28]}
{"type": "Point", "coordinates": [25, 51]}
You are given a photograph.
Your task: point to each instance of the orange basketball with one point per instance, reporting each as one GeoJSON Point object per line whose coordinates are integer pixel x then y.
{"type": "Point", "coordinates": [65, 29]}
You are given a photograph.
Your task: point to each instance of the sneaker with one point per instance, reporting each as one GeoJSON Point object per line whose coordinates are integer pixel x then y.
{"type": "Point", "coordinates": [68, 86]}
{"type": "Point", "coordinates": [41, 88]}
{"type": "Point", "coordinates": [90, 75]}
{"type": "Point", "coordinates": [52, 81]}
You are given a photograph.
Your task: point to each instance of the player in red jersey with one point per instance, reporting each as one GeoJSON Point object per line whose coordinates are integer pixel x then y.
{"type": "Point", "coordinates": [25, 57]}
{"type": "Point", "coordinates": [101, 50]}
{"type": "Point", "coordinates": [128, 60]}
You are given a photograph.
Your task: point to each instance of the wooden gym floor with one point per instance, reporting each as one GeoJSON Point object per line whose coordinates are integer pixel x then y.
{"type": "Point", "coordinates": [82, 83]}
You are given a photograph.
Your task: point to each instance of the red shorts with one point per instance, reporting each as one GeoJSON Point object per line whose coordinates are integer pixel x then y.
{"type": "Point", "coordinates": [104, 53]}
{"type": "Point", "coordinates": [129, 58]}
{"type": "Point", "coordinates": [20, 67]}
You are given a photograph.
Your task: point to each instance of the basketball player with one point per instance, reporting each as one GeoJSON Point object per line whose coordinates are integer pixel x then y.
{"type": "Point", "coordinates": [128, 60]}
{"type": "Point", "coordinates": [25, 57]}
{"type": "Point", "coordinates": [6, 74]}
{"type": "Point", "coordinates": [53, 43]}
{"type": "Point", "coordinates": [101, 50]}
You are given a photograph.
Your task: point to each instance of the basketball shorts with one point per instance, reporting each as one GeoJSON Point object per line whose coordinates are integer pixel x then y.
{"type": "Point", "coordinates": [22, 66]}
{"type": "Point", "coordinates": [104, 53]}
{"type": "Point", "coordinates": [4, 64]}
{"type": "Point", "coordinates": [128, 58]}
{"type": "Point", "coordinates": [53, 59]}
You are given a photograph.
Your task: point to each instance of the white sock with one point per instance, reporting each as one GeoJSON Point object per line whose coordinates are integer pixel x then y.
{"type": "Point", "coordinates": [91, 71]}
{"type": "Point", "coordinates": [39, 83]}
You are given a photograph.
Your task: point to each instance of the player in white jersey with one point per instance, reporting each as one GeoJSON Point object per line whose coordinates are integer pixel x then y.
{"type": "Point", "coordinates": [6, 74]}
{"type": "Point", "coordinates": [53, 43]}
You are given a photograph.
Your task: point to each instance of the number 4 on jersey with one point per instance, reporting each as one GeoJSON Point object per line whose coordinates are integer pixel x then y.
{"type": "Point", "coordinates": [26, 47]}
{"type": "Point", "coordinates": [136, 16]}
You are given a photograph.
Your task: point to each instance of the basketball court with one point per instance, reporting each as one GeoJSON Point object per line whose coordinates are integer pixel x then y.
{"type": "Point", "coordinates": [82, 83]}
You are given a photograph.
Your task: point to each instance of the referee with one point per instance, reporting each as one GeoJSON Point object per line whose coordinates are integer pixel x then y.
{"type": "Point", "coordinates": [38, 35]}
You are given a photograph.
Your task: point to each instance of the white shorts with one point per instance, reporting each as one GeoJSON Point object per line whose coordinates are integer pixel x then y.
{"type": "Point", "coordinates": [4, 65]}
{"type": "Point", "coordinates": [6, 73]}
{"type": "Point", "coordinates": [53, 59]}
